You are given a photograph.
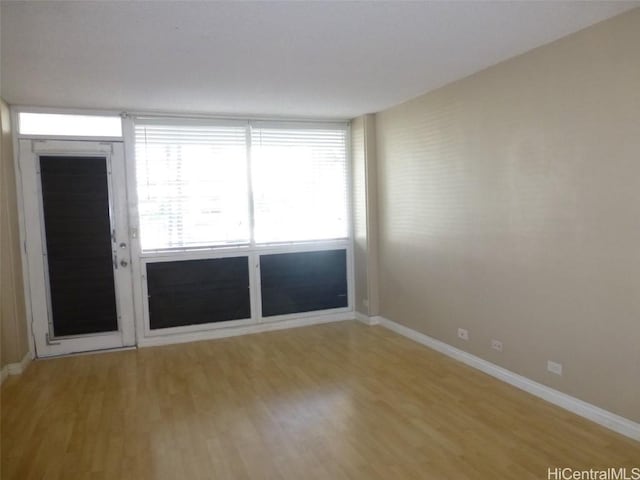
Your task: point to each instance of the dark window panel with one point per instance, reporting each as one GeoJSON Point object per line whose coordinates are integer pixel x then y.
{"type": "Point", "coordinates": [194, 292]}
{"type": "Point", "coordinates": [75, 199]}
{"type": "Point", "coordinates": [303, 282]}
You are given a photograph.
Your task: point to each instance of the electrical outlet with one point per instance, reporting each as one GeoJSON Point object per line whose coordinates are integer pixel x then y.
{"type": "Point", "coordinates": [554, 367]}
{"type": "Point", "coordinates": [496, 345]}
{"type": "Point", "coordinates": [463, 334]}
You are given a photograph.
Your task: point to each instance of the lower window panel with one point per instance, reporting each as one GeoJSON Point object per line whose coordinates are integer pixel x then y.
{"type": "Point", "coordinates": [193, 292]}
{"type": "Point", "coordinates": [303, 282]}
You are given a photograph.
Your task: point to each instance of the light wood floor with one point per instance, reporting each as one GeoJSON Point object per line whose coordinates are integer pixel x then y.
{"type": "Point", "coordinates": [336, 401]}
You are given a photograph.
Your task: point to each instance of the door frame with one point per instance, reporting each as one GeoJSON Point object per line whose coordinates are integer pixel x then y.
{"type": "Point", "coordinates": [36, 279]}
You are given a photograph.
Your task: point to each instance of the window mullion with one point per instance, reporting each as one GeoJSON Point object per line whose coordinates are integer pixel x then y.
{"type": "Point", "coordinates": [252, 223]}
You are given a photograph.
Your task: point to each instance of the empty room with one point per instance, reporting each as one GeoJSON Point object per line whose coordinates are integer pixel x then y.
{"type": "Point", "coordinates": [320, 240]}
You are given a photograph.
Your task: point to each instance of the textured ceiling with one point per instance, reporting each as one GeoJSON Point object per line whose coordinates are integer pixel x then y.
{"type": "Point", "coordinates": [310, 59]}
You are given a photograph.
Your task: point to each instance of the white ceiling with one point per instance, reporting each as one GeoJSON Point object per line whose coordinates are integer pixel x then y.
{"type": "Point", "coordinates": [310, 59]}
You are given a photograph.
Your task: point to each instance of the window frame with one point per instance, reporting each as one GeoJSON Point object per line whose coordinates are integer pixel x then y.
{"type": "Point", "coordinates": [256, 323]}
{"type": "Point", "coordinates": [249, 126]}
{"type": "Point", "coordinates": [144, 120]}
{"type": "Point", "coordinates": [253, 250]}
{"type": "Point", "coordinates": [16, 110]}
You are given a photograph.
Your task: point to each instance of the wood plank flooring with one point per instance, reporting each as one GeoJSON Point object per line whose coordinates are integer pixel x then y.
{"type": "Point", "coordinates": [335, 401]}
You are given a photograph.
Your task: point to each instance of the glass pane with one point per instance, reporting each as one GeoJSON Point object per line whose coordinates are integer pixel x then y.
{"type": "Point", "coordinates": [192, 187]}
{"type": "Point", "coordinates": [299, 185]}
{"type": "Point", "coordinates": [194, 292]}
{"type": "Point", "coordinates": [303, 282]}
{"type": "Point", "coordinates": [69, 125]}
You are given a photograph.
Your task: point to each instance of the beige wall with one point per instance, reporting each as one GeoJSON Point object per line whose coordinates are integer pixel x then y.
{"type": "Point", "coordinates": [509, 204]}
{"type": "Point", "coordinates": [13, 343]}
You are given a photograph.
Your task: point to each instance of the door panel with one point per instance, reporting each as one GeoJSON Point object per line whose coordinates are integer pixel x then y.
{"type": "Point", "coordinates": [77, 245]}
{"type": "Point", "coordinates": [75, 204]}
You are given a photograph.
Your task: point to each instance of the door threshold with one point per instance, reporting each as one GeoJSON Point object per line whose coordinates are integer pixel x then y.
{"type": "Point", "coordinates": [89, 352]}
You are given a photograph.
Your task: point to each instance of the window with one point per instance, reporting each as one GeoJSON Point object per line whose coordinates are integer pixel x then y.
{"type": "Point", "coordinates": [194, 187]}
{"type": "Point", "coordinates": [299, 184]}
{"type": "Point", "coordinates": [69, 125]}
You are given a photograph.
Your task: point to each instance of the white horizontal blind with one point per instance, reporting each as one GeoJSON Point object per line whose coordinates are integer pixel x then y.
{"type": "Point", "coordinates": [192, 185]}
{"type": "Point", "coordinates": [299, 184]}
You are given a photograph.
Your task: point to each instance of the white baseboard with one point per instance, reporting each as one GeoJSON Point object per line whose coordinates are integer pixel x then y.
{"type": "Point", "coordinates": [15, 368]}
{"type": "Point", "coordinates": [243, 330]}
{"type": "Point", "coordinates": [598, 415]}
{"type": "Point", "coordinates": [361, 317]}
